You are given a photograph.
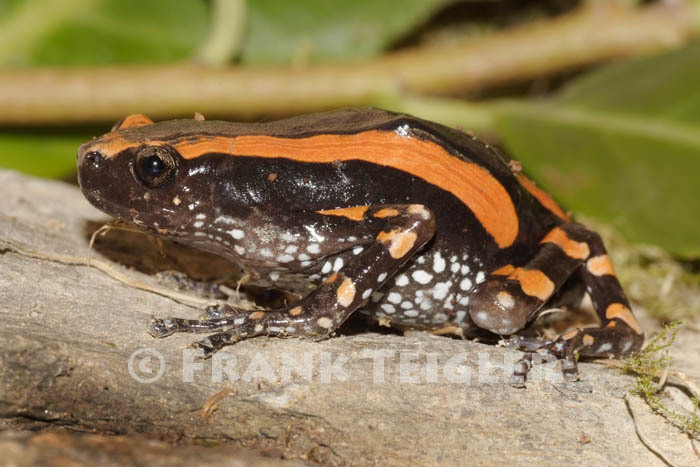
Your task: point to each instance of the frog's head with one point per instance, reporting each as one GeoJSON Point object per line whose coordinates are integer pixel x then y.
{"type": "Point", "coordinates": [136, 174]}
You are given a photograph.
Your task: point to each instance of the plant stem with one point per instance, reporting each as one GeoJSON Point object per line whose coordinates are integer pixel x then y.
{"type": "Point", "coordinates": [596, 32]}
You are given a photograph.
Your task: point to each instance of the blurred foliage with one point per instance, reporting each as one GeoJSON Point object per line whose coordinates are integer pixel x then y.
{"type": "Point", "coordinates": [94, 32]}
{"type": "Point", "coordinates": [280, 31]}
{"type": "Point", "coordinates": [621, 143]}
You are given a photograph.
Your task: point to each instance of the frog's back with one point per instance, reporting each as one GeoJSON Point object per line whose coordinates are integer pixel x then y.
{"type": "Point", "coordinates": [355, 157]}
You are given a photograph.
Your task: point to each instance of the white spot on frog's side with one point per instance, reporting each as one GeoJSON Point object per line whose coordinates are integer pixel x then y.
{"type": "Point", "coordinates": [327, 266]}
{"type": "Point", "coordinates": [454, 267]}
{"type": "Point", "coordinates": [290, 329]}
{"type": "Point", "coordinates": [403, 130]}
{"type": "Point", "coordinates": [313, 248]}
{"type": "Point", "coordinates": [439, 318]}
{"type": "Point", "coordinates": [422, 277]}
{"type": "Point", "coordinates": [305, 263]}
{"type": "Point", "coordinates": [459, 317]}
{"type": "Point", "coordinates": [388, 308]}
{"type": "Point", "coordinates": [224, 220]}
{"type": "Point", "coordinates": [440, 290]}
{"type": "Point", "coordinates": [480, 277]}
{"type": "Point", "coordinates": [401, 280]}
{"type": "Point", "coordinates": [338, 264]}
{"type": "Point", "coordinates": [357, 250]}
{"type": "Point", "coordinates": [275, 329]}
{"type": "Point", "coordinates": [464, 301]}
{"type": "Point", "coordinates": [239, 249]}
{"type": "Point", "coordinates": [605, 347]}
{"type": "Point", "coordinates": [237, 234]}
{"type": "Point", "coordinates": [258, 328]}
{"type": "Point", "coordinates": [200, 216]}
{"type": "Point", "coordinates": [352, 238]}
{"type": "Point", "coordinates": [200, 234]}
{"type": "Point", "coordinates": [482, 316]}
{"type": "Point", "coordinates": [438, 263]}
{"type": "Point", "coordinates": [274, 275]}
{"type": "Point", "coordinates": [426, 304]}
{"type": "Point", "coordinates": [239, 321]}
{"type": "Point", "coordinates": [315, 236]}
{"type": "Point", "coordinates": [453, 259]}
{"type": "Point", "coordinates": [267, 233]}
{"type": "Point", "coordinates": [627, 346]}
{"type": "Point", "coordinates": [285, 258]}
{"type": "Point", "coordinates": [448, 303]}
{"type": "Point", "coordinates": [465, 257]}
{"type": "Point", "coordinates": [465, 270]}
{"type": "Point", "coordinates": [314, 277]}
{"type": "Point", "coordinates": [191, 206]}
{"type": "Point", "coordinates": [197, 170]}
{"type": "Point", "coordinates": [420, 260]}
{"type": "Point", "coordinates": [303, 257]}
{"type": "Point", "coordinates": [381, 277]}
{"type": "Point", "coordinates": [466, 284]}
{"type": "Point", "coordinates": [406, 305]}
{"type": "Point", "coordinates": [411, 313]}
{"type": "Point", "coordinates": [325, 323]}
{"type": "Point", "coordinates": [265, 252]}
{"type": "Point", "coordinates": [377, 296]}
{"type": "Point", "coordinates": [291, 249]}
{"type": "Point", "coordinates": [288, 237]}
{"type": "Point", "coordinates": [366, 294]}
{"type": "Point", "coordinates": [394, 297]}
{"type": "Point", "coordinates": [198, 224]}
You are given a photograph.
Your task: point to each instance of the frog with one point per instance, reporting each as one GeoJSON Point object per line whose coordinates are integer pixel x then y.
{"type": "Point", "coordinates": [418, 225]}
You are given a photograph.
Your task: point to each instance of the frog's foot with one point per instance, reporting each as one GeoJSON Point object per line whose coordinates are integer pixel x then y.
{"type": "Point", "coordinates": [181, 281]}
{"type": "Point", "coordinates": [169, 326]}
{"type": "Point", "coordinates": [222, 310]}
{"type": "Point", "coordinates": [208, 346]}
{"type": "Point", "coordinates": [541, 351]}
{"type": "Point", "coordinates": [232, 325]}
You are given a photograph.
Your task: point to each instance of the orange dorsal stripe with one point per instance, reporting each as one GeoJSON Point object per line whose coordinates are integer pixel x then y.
{"type": "Point", "coordinates": [543, 197]}
{"type": "Point", "coordinates": [472, 184]}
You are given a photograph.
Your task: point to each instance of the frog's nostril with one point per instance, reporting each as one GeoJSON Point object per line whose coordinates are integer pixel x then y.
{"type": "Point", "coordinates": [94, 158]}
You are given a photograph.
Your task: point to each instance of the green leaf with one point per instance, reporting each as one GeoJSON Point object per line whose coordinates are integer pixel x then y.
{"type": "Point", "coordinates": [91, 32]}
{"type": "Point", "coordinates": [280, 31]}
{"type": "Point", "coordinates": [46, 153]}
{"type": "Point", "coordinates": [623, 145]}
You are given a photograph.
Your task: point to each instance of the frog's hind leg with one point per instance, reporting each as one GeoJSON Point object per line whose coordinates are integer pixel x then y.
{"type": "Point", "coordinates": [511, 296]}
{"type": "Point", "coordinates": [398, 231]}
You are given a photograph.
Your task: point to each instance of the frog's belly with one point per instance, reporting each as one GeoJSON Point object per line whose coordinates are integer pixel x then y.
{"type": "Point", "coordinates": [430, 292]}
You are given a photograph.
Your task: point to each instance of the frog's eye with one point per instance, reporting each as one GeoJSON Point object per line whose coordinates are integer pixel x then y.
{"type": "Point", "coordinates": [155, 166]}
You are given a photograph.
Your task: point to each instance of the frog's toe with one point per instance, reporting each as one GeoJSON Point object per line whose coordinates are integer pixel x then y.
{"type": "Point", "coordinates": [520, 371]}
{"type": "Point", "coordinates": [220, 311]}
{"type": "Point", "coordinates": [524, 343]}
{"type": "Point", "coordinates": [550, 351]}
{"type": "Point", "coordinates": [162, 327]}
{"type": "Point", "coordinates": [203, 349]}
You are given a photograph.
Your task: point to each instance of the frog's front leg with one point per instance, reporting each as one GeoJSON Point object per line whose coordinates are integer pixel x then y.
{"type": "Point", "coordinates": [396, 232]}
{"type": "Point", "coordinates": [511, 296]}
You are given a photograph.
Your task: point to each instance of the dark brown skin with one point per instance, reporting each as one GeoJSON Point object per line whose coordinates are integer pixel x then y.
{"type": "Point", "coordinates": [413, 223]}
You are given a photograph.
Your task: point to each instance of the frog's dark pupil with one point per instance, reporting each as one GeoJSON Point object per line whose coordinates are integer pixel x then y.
{"type": "Point", "coordinates": [154, 166]}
